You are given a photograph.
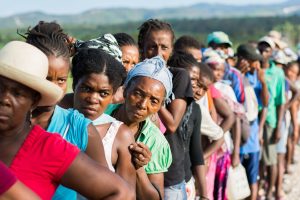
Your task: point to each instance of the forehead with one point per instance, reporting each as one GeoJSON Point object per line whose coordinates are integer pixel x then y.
{"type": "Point", "coordinates": [58, 63]}
{"type": "Point", "coordinates": [160, 36]}
{"type": "Point", "coordinates": [151, 87]}
{"type": "Point", "coordinates": [217, 66]}
{"type": "Point", "coordinates": [95, 80]}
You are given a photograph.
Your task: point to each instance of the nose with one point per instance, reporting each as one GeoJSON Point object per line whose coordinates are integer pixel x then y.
{"type": "Point", "coordinates": [93, 98]}
{"type": "Point", "coordinates": [142, 104]}
{"type": "Point", "coordinates": [4, 97]}
{"type": "Point", "coordinates": [160, 52]}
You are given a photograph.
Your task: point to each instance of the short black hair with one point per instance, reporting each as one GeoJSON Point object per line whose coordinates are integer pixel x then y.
{"type": "Point", "coordinates": [182, 59]}
{"type": "Point", "coordinates": [206, 71]}
{"type": "Point", "coordinates": [152, 25]}
{"type": "Point", "coordinates": [87, 61]}
{"type": "Point", "coordinates": [124, 39]}
{"type": "Point", "coordinates": [185, 42]}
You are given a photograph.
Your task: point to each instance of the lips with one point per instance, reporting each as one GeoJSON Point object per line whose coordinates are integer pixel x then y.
{"type": "Point", "coordinates": [4, 117]}
{"type": "Point", "coordinates": [89, 110]}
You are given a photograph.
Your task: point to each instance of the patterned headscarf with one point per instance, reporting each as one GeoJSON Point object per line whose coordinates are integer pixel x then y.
{"type": "Point", "coordinates": [154, 68]}
{"type": "Point", "coordinates": [107, 43]}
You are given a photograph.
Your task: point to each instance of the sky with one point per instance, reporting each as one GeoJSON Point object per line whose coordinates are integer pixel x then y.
{"type": "Point", "coordinates": [10, 7]}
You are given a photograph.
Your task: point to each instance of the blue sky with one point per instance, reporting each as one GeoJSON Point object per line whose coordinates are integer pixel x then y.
{"type": "Point", "coordinates": [10, 7]}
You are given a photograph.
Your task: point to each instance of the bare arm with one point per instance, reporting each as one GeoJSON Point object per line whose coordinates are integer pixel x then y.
{"type": "Point", "coordinates": [225, 112]}
{"type": "Point", "coordinates": [145, 188]}
{"type": "Point", "coordinates": [95, 181]}
{"type": "Point", "coordinates": [95, 148]}
{"type": "Point", "coordinates": [171, 116]}
{"type": "Point", "coordinates": [199, 173]}
{"type": "Point", "coordinates": [263, 116]}
{"type": "Point", "coordinates": [124, 166]}
{"type": "Point", "coordinates": [236, 136]}
{"type": "Point", "coordinates": [213, 147]}
{"type": "Point", "coordinates": [294, 113]}
{"type": "Point", "coordinates": [17, 192]}
{"type": "Point", "coordinates": [280, 112]}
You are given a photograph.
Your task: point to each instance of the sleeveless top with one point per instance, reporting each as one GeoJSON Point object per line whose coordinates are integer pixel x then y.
{"type": "Point", "coordinates": [110, 136]}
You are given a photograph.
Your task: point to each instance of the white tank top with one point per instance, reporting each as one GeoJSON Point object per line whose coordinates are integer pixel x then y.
{"type": "Point", "coordinates": [108, 142]}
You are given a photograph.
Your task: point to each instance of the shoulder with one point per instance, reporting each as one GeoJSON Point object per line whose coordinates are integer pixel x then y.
{"type": "Point", "coordinates": [161, 152]}
{"type": "Point", "coordinates": [124, 135]}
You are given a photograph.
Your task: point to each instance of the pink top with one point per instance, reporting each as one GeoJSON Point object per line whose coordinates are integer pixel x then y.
{"type": "Point", "coordinates": [7, 178]}
{"type": "Point", "coordinates": [215, 93]}
{"type": "Point", "coordinates": [42, 160]}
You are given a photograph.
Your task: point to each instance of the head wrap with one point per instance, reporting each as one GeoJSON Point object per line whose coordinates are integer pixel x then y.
{"type": "Point", "coordinates": [154, 68]}
{"type": "Point", "coordinates": [107, 43]}
{"type": "Point", "coordinates": [212, 57]}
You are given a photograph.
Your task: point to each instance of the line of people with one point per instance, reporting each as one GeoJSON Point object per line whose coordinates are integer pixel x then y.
{"type": "Point", "coordinates": [154, 119]}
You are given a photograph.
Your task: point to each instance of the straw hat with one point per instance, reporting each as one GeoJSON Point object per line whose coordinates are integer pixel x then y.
{"type": "Point", "coordinates": [28, 65]}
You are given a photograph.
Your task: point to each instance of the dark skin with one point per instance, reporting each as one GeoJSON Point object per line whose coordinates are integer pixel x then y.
{"type": "Point", "coordinates": [143, 98]}
{"type": "Point", "coordinates": [16, 102]}
{"type": "Point", "coordinates": [92, 95]}
{"type": "Point", "coordinates": [58, 72]}
{"type": "Point", "coordinates": [160, 43]}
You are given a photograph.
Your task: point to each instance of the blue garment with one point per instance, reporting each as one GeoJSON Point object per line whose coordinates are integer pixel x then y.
{"type": "Point", "coordinates": [252, 144]}
{"type": "Point", "coordinates": [73, 127]}
{"type": "Point", "coordinates": [251, 163]}
{"type": "Point", "coordinates": [256, 84]}
{"type": "Point", "coordinates": [234, 76]}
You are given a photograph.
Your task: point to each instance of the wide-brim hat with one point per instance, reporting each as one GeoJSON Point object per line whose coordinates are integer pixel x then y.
{"type": "Point", "coordinates": [26, 64]}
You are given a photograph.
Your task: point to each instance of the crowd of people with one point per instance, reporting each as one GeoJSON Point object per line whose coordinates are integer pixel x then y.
{"type": "Point", "coordinates": [161, 118]}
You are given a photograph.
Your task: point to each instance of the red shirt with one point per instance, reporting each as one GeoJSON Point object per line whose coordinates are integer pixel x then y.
{"type": "Point", "coordinates": [215, 93]}
{"type": "Point", "coordinates": [7, 178]}
{"type": "Point", "coordinates": [42, 160]}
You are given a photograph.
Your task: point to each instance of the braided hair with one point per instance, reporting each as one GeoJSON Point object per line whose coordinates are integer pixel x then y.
{"type": "Point", "coordinates": [49, 38]}
{"type": "Point", "coordinates": [124, 39]}
{"type": "Point", "coordinates": [152, 25]}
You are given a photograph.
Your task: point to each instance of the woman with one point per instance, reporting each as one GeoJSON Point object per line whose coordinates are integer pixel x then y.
{"type": "Point", "coordinates": [156, 38]}
{"type": "Point", "coordinates": [70, 124]}
{"type": "Point", "coordinates": [39, 159]}
{"type": "Point", "coordinates": [147, 87]}
{"type": "Point", "coordinates": [129, 48]}
{"type": "Point", "coordinates": [96, 77]}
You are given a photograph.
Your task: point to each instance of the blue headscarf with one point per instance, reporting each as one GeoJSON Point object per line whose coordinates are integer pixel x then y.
{"type": "Point", "coordinates": [154, 68]}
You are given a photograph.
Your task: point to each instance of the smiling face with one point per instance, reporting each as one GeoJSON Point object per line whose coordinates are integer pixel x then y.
{"type": "Point", "coordinates": [158, 43]}
{"type": "Point", "coordinates": [130, 56]}
{"type": "Point", "coordinates": [144, 97]}
{"type": "Point", "coordinates": [16, 100]}
{"type": "Point", "coordinates": [92, 95]}
{"type": "Point", "coordinates": [58, 71]}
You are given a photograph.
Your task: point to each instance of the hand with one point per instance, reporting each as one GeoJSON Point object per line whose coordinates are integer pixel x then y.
{"type": "Point", "coordinates": [235, 160]}
{"type": "Point", "coordinates": [261, 75]}
{"type": "Point", "coordinates": [243, 66]}
{"type": "Point", "coordinates": [140, 153]}
{"type": "Point", "coordinates": [261, 138]}
{"type": "Point", "coordinates": [277, 135]}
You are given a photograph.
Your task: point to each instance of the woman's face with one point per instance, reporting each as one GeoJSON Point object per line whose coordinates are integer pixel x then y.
{"type": "Point", "coordinates": [218, 70]}
{"type": "Point", "coordinates": [158, 43]}
{"type": "Point", "coordinates": [144, 97]}
{"type": "Point", "coordinates": [92, 95]}
{"type": "Point", "coordinates": [292, 72]}
{"type": "Point", "coordinates": [16, 101]}
{"type": "Point", "coordinates": [130, 56]}
{"type": "Point", "coordinates": [58, 71]}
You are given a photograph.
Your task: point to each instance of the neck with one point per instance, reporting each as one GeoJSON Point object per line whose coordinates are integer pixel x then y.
{"type": "Point", "coordinates": [15, 134]}
{"type": "Point", "coordinates": [42, 117]}
{"type": "Point", "coordinates": [121, 116]}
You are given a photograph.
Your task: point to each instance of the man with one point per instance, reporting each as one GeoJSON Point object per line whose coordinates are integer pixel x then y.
{"type": "Point", "coordinates": [275, 80]}
{"type": "Point", "coordinates": [256, 95]}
